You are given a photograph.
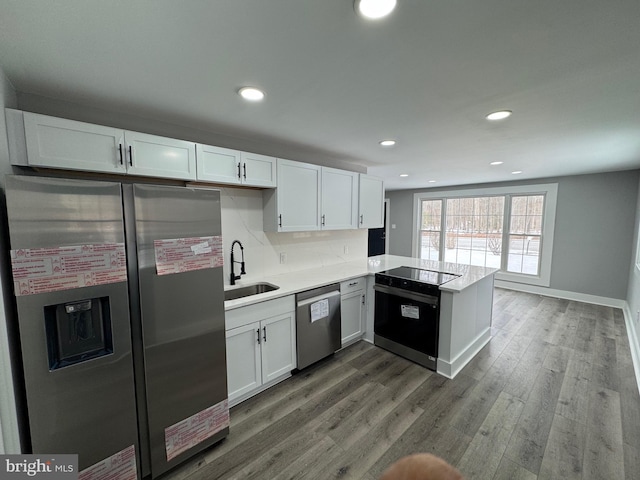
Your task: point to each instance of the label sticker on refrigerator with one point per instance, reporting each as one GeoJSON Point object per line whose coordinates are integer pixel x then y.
{"type": "Point", "coordinates": [410, 311]}
{"type": "Point", "coordinates": [179, 255]}
{"type": "Point", "coordinates": [50, 269]}
{"type": "Point", "coordinates": [319, 310]}
{"type": "Point", "coordinates": [191, 431]}
{"type": "Point", "coordinates": [120, 466]}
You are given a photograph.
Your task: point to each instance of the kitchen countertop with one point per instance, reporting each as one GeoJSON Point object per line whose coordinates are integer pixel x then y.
{"type": "Point", "coordinates": [294, 282]}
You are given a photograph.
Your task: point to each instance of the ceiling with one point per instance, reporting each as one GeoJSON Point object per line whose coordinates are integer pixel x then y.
{"type": "Point", "coordinates": [337, 84]}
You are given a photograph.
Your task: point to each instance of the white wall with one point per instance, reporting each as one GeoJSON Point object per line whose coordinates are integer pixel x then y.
{"type": "Point", "coordinates": [242, 220]}
{"type": "Point", "coordinates": [9, 438]}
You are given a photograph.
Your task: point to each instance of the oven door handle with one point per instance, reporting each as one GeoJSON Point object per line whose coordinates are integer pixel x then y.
{"type": "Point", "coordinates": [399, 292]}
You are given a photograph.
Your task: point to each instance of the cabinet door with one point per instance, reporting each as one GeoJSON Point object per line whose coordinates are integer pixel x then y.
{"type": "Point", "coordinates": [278, 346]}
{"type": "Point", "coordinates": [352, 313]}
{"type": "Point", "coordinates": [60, 143]}
{"type": "Point", "coordinates": [154, 156]}
{"type": "Point", "coordinates": [371, 202]}
{"type": "Point", "coordinates": [215, 164]}
{"type": "Point", "coordinates": [339, 199]}
{"type": "Point", "coordinates": [258, 170]}
{"type": "Point", "coordinates": [243, 360]}
{"type": "Point", "coordinates": [298, 196]}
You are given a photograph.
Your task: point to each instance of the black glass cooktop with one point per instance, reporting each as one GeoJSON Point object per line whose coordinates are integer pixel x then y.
{"type": "Point", "coordinates": [421, 275]}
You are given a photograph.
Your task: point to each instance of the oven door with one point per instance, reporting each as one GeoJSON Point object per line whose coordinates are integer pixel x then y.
{"type": "Point", "coordinates": [407, 324]}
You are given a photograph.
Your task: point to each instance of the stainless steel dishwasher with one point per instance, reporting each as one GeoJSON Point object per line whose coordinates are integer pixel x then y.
{"type": "Point", "coordinates": [318, 330]}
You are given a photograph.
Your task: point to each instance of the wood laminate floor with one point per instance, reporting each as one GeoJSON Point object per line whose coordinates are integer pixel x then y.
{"type": "Point", "coordinates": [552, 396]}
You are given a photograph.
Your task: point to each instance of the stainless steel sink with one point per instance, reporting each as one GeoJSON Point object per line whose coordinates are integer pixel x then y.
{"type": "Point", "coordinates": [248, 290]}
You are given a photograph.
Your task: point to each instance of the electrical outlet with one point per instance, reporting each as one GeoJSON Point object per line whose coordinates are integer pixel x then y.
{"type": "Point", "coordinates": [346, 249]}
{"type": "Point", "coordinates": [283, 258]}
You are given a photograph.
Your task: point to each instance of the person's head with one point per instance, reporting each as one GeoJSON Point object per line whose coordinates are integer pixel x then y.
{"type": "Point", "coordinates": [421, 466]}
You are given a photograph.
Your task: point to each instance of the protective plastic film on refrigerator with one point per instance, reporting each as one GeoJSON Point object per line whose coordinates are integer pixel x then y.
{"type": "Point", "coordinates": [119, 294]}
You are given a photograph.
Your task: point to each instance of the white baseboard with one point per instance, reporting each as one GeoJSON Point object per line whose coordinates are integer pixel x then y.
{"type": "Point", "coordinates": [564, 294]}
{"type": "Point", "coordinates": [633, 341]}
{"type": "Point", "coordinates": [451, 369]}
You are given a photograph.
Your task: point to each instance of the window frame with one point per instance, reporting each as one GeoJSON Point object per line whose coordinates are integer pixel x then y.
{"type": "Point", "coordinates": [549, 190]}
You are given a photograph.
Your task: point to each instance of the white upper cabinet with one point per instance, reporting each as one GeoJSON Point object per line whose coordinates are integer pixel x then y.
{"type": "Point", "coordinates": [59, 143]}
{"type": "Point", "coordinates": [339, 199]}
{"type": "Point", "coordinates": [295, 205]}
{"type": "Point", "coordinates": [371, 202]}
{"type": "Point", "coordinates": [310, 197]}
{"type": "Point", "coordinates": [216, 164]}
{"type": "Point", "coordinates": [223, 165]}
{"type": "Point", "coordinates": [53, 142]}
{"type": "Point", "coordinates": [258, 170]}
{"type": "Point", "coordinates": [154, 156]}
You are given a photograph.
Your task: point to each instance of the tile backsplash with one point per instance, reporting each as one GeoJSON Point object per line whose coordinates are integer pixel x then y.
{"type": "Point", "coordinates": [242, 220]}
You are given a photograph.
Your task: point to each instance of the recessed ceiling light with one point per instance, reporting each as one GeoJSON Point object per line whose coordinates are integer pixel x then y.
{"type": "Point", "coordinates": [388, 143]}
{"type": "Point", "coordinates": [499, 115]}
{"type": "Point", "coordinates": [432, 181]}
{"type": "Point", "coordinates": [251, 93]}
{"type": "Point", "coordinates": [374, 9]}
{"type": "Point", "coordinates": [496, 163]}
{"type": "Point", "coordinates": [404, 174]}
{"type": "Point", "coordinates": [516, 172]}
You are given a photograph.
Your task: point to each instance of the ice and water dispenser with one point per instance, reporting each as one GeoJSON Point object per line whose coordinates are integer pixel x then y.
{"type": "Point", "coordinates": [78, 331]}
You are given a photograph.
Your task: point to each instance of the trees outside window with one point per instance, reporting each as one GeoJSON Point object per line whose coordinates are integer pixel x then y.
{"type": "Point", "coordinates": [475, 230]}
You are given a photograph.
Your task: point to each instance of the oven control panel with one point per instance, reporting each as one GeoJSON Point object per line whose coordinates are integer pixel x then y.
{"type": "Point", "coordinates": [406, 284]}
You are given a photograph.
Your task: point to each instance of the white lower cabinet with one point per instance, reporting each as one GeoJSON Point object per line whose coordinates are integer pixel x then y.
{"type": "Point", "coordinates": [261, 347]}
{"type": "Point", "coordinates": [352, 309]}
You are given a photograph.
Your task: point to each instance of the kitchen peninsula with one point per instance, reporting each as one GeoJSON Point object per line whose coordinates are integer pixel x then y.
{"type": "Point", "coordinates": [465, 305]}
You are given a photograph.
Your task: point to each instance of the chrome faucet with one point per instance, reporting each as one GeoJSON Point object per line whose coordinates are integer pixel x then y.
{"type": "Point", "coordinates": [233, 277]}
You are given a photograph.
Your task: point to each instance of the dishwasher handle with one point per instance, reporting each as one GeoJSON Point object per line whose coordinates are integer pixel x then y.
{"type": "Point", "coordinates": [317, 298]}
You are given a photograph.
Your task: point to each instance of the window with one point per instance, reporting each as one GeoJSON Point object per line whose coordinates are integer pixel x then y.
{"type": "Point", "coordinates": [510, 228]}
{"type": "Point", "coordinates": [430, 228]}
{"type": "Point", "coordinates": [525, 232]}
{"type": "Point", "coordinates": [473, 233]}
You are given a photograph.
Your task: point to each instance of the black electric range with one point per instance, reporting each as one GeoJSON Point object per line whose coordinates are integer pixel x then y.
{"type": "Point", "coordinates": [407, 312]}
{"type": "Point", "coordinates": [415, 279]}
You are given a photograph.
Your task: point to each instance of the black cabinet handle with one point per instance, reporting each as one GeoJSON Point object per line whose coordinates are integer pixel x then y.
{"type": "Point", "coordinates": [363, 299]}
{"type": "Point", "coordinates": [238, 170]}
{"type": "Point", "coordinates": [244, 170]}
{"type": "Point", "coordinates": [323, 220]}
{"type": "Point", "coordinates": [258, 332]}
{"type": "Point", "coordinates": [264, 336]}
{"type": "Point", "coordinates": [130, 156]}
{"type": "Point", "coordinates": [120, 149]}
{"type": "Point", "coordinates": [361, 219]}
{"type": "Point", "coordinates": [280, 220]}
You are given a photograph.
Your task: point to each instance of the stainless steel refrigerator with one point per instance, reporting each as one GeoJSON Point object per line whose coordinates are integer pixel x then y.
{"type": "Point", "coordinates": [119, 293]}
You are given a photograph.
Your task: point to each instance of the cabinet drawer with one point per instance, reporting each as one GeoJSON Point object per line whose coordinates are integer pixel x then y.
{"type": "Point", "coordinates": [353, 285]}
{"type": "Point", "coordinates": [240, 316]}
